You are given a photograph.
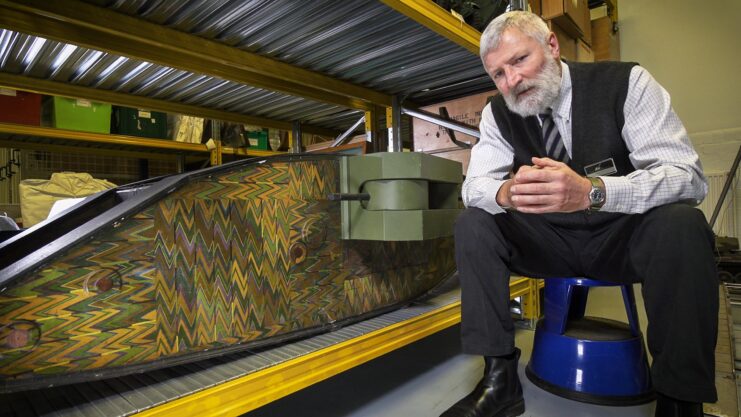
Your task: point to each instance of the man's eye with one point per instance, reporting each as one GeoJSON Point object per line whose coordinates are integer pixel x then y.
{"type": "Point", "coordinates": [497, 74]}
{"type": "Point", "coordinates": [522, 58]}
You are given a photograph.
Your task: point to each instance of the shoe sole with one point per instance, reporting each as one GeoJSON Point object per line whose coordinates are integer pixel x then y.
{"type": "Point", "coordinates": [517, 409]}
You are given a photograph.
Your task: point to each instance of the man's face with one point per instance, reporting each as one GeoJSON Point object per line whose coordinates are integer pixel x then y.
{"type": "Point", "coordinates": [526, 73]}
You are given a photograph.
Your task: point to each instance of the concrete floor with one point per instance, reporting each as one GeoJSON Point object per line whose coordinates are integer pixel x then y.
{"type": "Point", "coordinates": [427, 377]}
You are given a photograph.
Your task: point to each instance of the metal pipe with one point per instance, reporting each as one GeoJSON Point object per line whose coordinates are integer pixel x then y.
{"type": "Point", "coordinates": [342, 138]}
{"type": "Point", "coordinates": [428, 117]}
{"type": "Point", "coordinates": [726, 187]}
{"type": "Point", "coordinates": [451, 134]}
{"type": "Point", "coordinates": [348, 197]}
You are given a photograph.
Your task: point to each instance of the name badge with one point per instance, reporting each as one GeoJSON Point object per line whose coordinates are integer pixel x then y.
{"type": "Point", "coordinates": [601, 168]}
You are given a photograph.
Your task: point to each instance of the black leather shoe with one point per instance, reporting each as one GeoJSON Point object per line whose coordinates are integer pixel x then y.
{"type": "Point", "coordinates": [498, 394]}
{"type": "Point", "coordinates": [669, 407]}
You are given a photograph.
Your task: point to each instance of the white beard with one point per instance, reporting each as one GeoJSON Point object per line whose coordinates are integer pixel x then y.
{"type": "Point", "coordinates": [545, 88]}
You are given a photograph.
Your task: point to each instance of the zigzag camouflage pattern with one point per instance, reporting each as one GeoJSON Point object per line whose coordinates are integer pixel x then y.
{"type": "Point", "coordinates": [238, 257]}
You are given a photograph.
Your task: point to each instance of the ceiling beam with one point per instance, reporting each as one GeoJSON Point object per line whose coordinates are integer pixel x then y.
{"type": "Point", "coordinates": [98, 28]}
{"type": "Point", "coordinates": [439, 20]}
{"type": "Point", "coordinates": [55, 88]}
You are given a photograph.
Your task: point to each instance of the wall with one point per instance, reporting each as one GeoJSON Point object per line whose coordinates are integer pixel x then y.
{"type": "Point", "coordinates": [691, 48]}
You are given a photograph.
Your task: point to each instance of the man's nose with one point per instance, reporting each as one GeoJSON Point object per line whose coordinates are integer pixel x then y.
{"type": "Point", "coordinates": [512, 76]}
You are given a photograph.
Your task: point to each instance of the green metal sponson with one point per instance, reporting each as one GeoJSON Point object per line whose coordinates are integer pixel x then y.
{"type": "Point", "coordinates": [413, 196]}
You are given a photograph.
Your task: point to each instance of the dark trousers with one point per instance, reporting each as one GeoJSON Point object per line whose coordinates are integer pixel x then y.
{"type": "Point", "coordinates": [669, 250]}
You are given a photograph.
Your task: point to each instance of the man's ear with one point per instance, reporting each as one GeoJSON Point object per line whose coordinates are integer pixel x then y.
{"type": "Point", "coordinates": [553, 46]}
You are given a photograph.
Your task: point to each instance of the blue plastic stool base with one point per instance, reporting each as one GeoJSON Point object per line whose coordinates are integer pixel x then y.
{"type": "Point", "coordinates": [588, 359]}
{"type": "Point", "coordinates": [607, 400]}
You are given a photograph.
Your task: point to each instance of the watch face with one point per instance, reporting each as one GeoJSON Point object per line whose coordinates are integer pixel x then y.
{"type": "Point", "coordinates": [596, 196]}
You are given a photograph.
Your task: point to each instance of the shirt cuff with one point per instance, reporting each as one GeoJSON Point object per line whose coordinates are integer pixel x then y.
{"type": "Point", "coordinates": [618, 194]}
{"type": "Point", "coordinates": [484, 196]}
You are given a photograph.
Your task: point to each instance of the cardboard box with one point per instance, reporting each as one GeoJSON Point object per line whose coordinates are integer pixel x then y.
{"type": "Point", "coordinates": [139, 122]}
{"type": "Point", "coordinates": [571, 15]}
{"type": "Point", "coordinates": [598, 12]}
{"type": "Point", "coordinates": [566, 42]}
{"type": "Point", "coordinates": [583, 52]}
{"type": "Point", "coordinates": [20, 107]}
{"type": "Point", "coordinates": [188, 129]}
{"type": "Point", "coordinates": [77, 114]}
{"type": "Point", "coordinates": [605, 40]}
{"type": "Point", "coordinates": [433, 139]}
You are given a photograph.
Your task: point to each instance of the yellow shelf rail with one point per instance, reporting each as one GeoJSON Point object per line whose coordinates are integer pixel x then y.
{"type": "Point", "coordinates": [243, 394]}
{"type": "Point", "coordinates": [26, 137]}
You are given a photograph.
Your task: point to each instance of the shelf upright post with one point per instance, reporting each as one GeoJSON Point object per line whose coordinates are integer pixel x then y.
{"type": "Point", "coordinates": [296, 146]}
{"type": "Point", "coordinates": [383, 143]}
{"type": "Point", "coordinates": [371, 129]}
{"type": "Point", "coordinates": [395, 144]}
{"type": "Point", "coordinates": [180, 163]}
{"type": "Point", "coordinates": [216, 153]}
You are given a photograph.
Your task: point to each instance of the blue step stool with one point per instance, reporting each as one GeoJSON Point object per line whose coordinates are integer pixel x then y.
{"type": "Point", "coordinates": [589, 359]}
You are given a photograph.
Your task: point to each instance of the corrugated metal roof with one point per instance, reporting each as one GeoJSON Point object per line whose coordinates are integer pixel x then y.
{"type": "Point", "coordinates": [359, 41]}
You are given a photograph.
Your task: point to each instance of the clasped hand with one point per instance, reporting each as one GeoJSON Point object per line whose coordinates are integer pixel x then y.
{"type": "Point", "coordinates": [547, 186]}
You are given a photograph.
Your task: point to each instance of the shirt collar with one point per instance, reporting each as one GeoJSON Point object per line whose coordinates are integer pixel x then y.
{"type": "Point", "coordinates": [562, 106]}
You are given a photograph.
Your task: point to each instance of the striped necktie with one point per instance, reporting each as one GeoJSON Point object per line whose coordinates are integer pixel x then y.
{"type": "Point", "coordinates": [554, 146]}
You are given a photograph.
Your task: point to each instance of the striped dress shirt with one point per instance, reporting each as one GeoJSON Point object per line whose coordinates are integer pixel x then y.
{"type": "Point", "coordinates": [668, 169]}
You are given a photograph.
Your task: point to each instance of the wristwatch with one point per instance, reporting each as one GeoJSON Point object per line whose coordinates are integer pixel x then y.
{"type": "Point", "coordinates": [596, 194]}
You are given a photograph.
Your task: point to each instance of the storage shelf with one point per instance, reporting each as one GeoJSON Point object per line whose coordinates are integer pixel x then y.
{"type": "Point", "coordinates": [46, 138]}
{"type": "Point", "coordinates": [232, 71]}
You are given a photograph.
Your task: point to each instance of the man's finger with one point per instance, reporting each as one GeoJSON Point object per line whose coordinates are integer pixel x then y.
{"type": "Point", "coordinates": [533, 175]}
{"type": "Point", "coordinates": [546, 162]}
{"type": "Point", "coordinates": [522, 200]}
{"type": "Point", "coordinates": [534, 188]}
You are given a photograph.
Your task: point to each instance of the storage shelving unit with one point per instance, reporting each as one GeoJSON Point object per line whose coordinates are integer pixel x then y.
{"type": "Point", "coordinates": [50, 139]}
{"type": "Point", "coordinates": [315, 63]}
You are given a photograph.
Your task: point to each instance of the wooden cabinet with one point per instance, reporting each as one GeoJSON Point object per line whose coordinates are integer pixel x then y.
{"type": "Point", "coordinates": [571, 15]}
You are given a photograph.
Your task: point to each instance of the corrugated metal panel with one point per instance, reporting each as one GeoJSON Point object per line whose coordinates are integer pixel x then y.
{"type": "Point", "coordinates": [40, 58]}
{"type": "Point", "coordinates": [359, 41]}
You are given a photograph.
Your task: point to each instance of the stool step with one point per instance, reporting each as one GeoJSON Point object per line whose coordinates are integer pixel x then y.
{"type": "Point", "coordinates": [598, 329]}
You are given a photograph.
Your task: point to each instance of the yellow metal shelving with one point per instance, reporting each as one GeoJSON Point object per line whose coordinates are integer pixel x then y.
{"type": "Point", "coordinates": [246, 393]}
{"type": "Point", "coordinates": [36, 137]}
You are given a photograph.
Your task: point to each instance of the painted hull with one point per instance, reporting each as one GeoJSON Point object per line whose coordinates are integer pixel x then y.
{"type": "Point", "coordinates": [196, 265]}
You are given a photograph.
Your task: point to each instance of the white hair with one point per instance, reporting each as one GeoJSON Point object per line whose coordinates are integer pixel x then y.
{"type": "Point", "coordinates": [528, 23]}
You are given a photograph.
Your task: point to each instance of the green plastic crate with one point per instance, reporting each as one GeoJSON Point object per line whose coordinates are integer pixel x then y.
{"type": "Point", "coordinates": [258, 139]}
{"type": "Point", "coordinates": [77, 114]}
{"type": "Point", "coordinates": [139, 122]}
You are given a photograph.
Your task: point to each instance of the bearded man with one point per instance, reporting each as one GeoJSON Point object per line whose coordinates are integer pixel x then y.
{"type": "Point", "coordinates": [583, 170]}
